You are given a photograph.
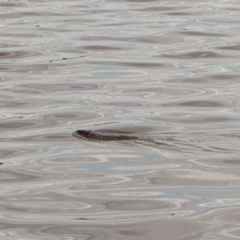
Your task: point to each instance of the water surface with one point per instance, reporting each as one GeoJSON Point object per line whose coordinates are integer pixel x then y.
{"type": "Point", "coordinates": [167, 71]}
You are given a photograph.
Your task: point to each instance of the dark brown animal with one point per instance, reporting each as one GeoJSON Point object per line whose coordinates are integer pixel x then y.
{"type": "Point", "coordinates": [104, 136]}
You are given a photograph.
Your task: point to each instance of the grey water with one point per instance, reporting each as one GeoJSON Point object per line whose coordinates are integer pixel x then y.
{"type": "Point", "coordinates": [168, 71]}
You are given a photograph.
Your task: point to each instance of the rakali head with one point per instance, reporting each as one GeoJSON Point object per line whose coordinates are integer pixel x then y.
{"type": "Point", "coordinates": [82, 134]}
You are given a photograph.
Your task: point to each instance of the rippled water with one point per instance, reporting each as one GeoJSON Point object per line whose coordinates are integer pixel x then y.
{"type": "Point", "coordinates": [167, 71]}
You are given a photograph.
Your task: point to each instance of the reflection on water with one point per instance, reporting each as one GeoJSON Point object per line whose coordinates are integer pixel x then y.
{"type": "Point", "coordinates": [168, 72]}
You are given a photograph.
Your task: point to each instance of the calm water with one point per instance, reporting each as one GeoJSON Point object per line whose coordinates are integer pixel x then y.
{"type": "Point", "coordinates": [168, 71]}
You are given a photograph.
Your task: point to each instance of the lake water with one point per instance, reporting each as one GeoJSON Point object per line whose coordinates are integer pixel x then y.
{"type": "Point", "coordinates": [168, 71]}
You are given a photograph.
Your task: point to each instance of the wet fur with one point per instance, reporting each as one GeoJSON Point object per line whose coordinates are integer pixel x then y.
{"type": "Point", "coordinates": [91, 135]}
